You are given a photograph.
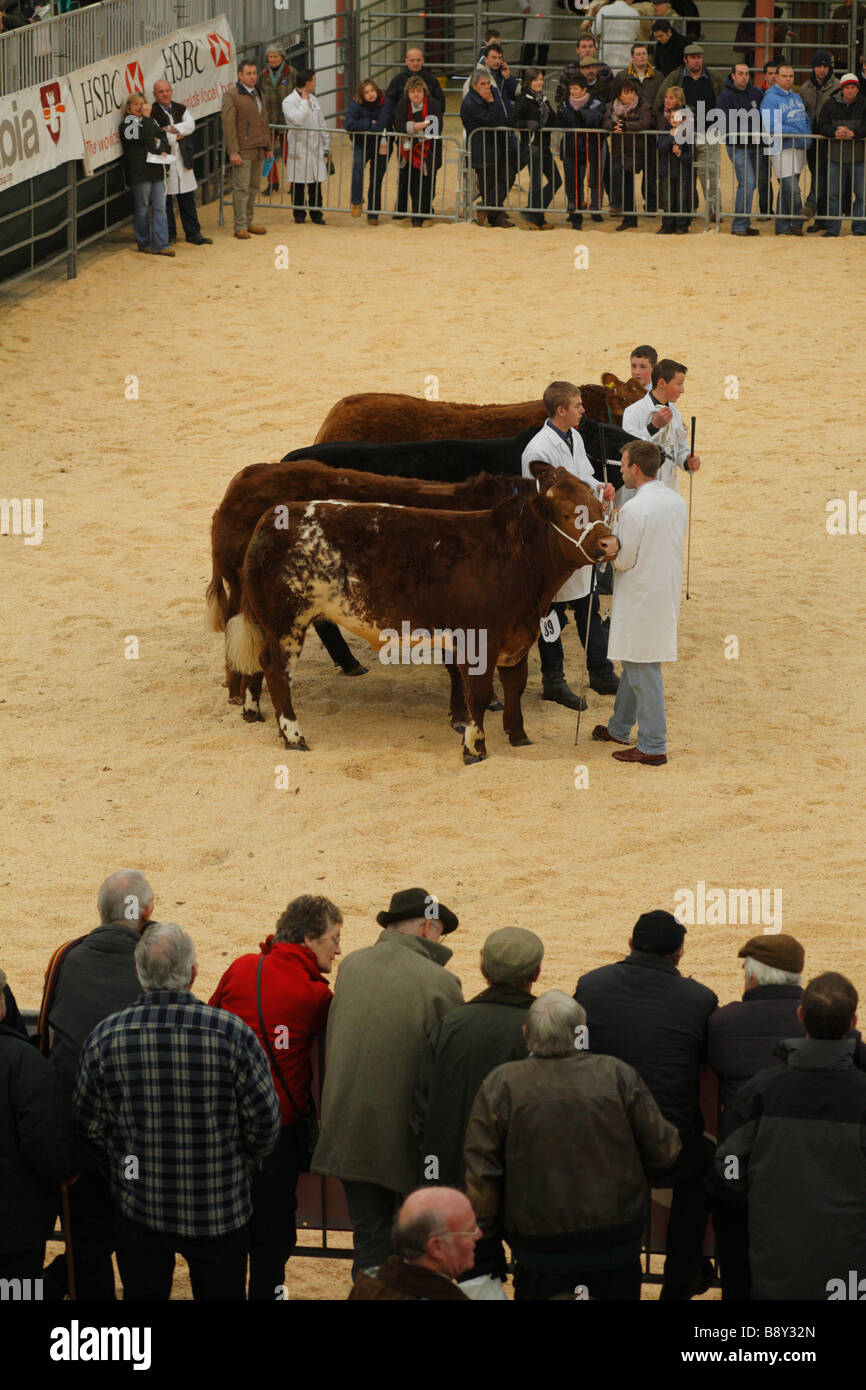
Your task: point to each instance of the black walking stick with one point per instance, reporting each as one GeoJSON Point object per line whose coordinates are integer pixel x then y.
{"type": "Point", "coordinates": [691, 476]}
{"type": "Point", "coordinates": [585, 680]}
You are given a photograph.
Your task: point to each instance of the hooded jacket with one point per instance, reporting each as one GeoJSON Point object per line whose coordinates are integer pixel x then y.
{"type": "Point", "coordinates": [387, 1001]}
{"type": "Point", "coordinates": [796, 1146]}
{"type": "Point", "coordinates": [731, 99]}
{"type": "Point", "coordinates": [815, 93]}
{"type": "Point", "coordinates": [838, 112]}
{"type": "Point", "coordinates": [785, 112]}
{"type": "Point", "coordinates": [295, 998]}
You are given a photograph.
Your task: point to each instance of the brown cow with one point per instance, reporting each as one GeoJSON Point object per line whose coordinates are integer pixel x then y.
{"type": "Point", "coordinates": [471, 587]}
{"type": "Point", "coordinates": [386, 416]}
{"type": "Point", "coordinates": [262, 485]}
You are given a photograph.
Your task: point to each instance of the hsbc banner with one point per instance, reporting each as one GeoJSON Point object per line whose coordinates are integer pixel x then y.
{"type": "Point", "coordinates": [39, 129]}
{"type": "Point", "coordinates": [199, 62]}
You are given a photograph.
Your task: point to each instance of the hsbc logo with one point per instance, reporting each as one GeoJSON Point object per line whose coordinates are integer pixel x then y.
{"type": "Point", "coordinates": [134, 78]}
{"type": "Point", "coordinates": [52, 108]}
{"type": "Point", "coordinates": [220, 50]}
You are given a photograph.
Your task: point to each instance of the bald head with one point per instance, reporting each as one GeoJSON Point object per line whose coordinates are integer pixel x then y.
{"type": "Point", "coordinates": [414, 59]}
{"type": "Point", "coordinates": [436, 1228]}
{"type": "Point", "coordinates": [126, 897]}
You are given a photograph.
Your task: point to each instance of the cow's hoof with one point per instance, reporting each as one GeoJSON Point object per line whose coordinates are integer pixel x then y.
{"type": "Point", "coordinates": [356, 670]}
{"type": "Point", "coordinates": [521, 742]}
{"type": "Point", "coordinates": [236, 699]}
{"type": "Point", "coordinates": [495, 706]}
{"type": "Point", "coordinates": [253, 716]}
{"type": "Point", "coordinates": [470, 758]}
{"type": "Point", "coordinates": [300, 747]}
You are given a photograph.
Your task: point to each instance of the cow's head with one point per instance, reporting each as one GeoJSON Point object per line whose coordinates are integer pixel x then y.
{"type": "Point", "coordinates": [620, 393]}
{"type": "Point", "coordinates": [571, 506]}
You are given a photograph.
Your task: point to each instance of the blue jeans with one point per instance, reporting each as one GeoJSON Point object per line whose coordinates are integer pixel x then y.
{"type": "Point", "coordinates": [745, 162]}
{"type": "Point", "coordinates": [144, 196]}
{"type": "Point", "coordinates": [365, 152]}
{"type": "Point", "coordinates": [856, 173]}
{"type": "Point", "coordinates": [788, 204]}
{"type": "Point", "coordinates": [640, 699]}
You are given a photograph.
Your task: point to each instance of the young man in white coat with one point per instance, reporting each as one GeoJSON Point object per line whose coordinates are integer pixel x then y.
{"type": "Point", "coordinates": [647, 554]}
{"type": "Point", "coordinates": [178, 124]}
{"type": "Point", "coordinates": [559, 443]}
{"type": "Point", "coordinates": [657, 419]}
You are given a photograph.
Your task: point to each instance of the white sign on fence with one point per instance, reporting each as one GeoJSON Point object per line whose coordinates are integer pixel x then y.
{"type": "Point", "coordinates": [199, 62]}
{"type": "Point", "coordinates": [39, 129]}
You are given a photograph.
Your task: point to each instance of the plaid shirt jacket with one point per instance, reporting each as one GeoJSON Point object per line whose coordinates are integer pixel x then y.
{"type": "Point", "coordinates": [177, 1098]}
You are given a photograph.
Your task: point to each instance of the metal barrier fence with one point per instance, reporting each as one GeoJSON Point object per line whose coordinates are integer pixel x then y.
{"type": "Point", "coordinates": [383, 175]}
{"type": "Point", "coordinates": [57, 46]}
{"type": "Point", "coordinates": [821, 182]}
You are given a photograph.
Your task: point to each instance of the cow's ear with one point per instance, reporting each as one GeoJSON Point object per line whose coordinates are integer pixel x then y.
{"type": "Point", "coordinates": [543, 473]}
{"type": "Point", "coordinates": [609, 380]}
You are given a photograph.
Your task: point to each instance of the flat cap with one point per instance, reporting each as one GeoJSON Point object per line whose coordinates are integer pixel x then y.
{"type": "Point", "coordinates": [588, 63]}
{"type": "Point", "coordinates": [658, 933]}
{"type": "Point", "coordinates": [692, 48]}
{"type": "Point", "coordinates": [778, 949]}
{"type": "Point", "coordinates": [511, 955]}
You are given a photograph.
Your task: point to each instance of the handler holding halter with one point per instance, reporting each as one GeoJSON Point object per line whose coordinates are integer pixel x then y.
{"type": "Point", "coordinates": [647, 554]}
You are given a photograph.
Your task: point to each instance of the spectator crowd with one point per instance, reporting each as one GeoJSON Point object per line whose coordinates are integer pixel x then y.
{"type": "Point", "coordinates": [533, 1121]}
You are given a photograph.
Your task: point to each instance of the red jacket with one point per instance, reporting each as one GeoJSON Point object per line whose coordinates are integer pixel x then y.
{"type": "Point", "coordinates": [295, 1002]}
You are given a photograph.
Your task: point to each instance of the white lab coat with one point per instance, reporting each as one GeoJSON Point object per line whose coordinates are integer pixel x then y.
{"type": "Point", "coordinates": [648, 576]}
{"type": "Point", "coordinates": [671, 439]}
{"type": "Point", "coordinates": [538, 24]}
{"type": "Point", "coordinates": [547, 447]}
{"type": "Point", "coordinates": [307, 140]}
{"type": "Point", "coordinates": [616, 26]}
{"type": "Point", "coordinates": [179, 179]}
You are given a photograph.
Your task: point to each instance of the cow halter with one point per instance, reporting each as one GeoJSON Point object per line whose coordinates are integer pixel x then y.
{"type": "Point", "coordinates": [579, 542]}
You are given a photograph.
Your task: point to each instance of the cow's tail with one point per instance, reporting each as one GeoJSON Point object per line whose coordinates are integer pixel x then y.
{"type": "Point", "coordinates": [244, 641]}
{"type": "Point", "coordinates": [217, 599]}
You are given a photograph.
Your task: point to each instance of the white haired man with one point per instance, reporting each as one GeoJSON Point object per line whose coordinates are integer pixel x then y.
{"type": "Point", "coordinates": [572, 1212]}
{"type": "Point", "coordinates": [86, 980]}
{"type": "Point", "coordinates": [178, 1100]}
{"type": "Point", "coordinates": [434, 1240]}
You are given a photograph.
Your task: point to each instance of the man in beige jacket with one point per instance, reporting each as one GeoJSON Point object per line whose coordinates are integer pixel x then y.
{"type": "Point", "coordinates": [248, 142]}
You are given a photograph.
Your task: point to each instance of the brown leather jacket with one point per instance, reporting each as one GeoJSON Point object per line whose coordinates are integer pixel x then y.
{"type": "Point", "coordinates": [399, 1280]}
{"type": "Point", "coordinates": [557, 1150]}
{"type": "Point", "coordinates": [245, 128]}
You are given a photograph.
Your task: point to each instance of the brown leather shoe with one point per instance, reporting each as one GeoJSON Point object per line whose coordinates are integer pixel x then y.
{"type": "Point", "coordinates": [634, 755]}
{"type": "Point", "coordinates": [481, 217]}
{"type": "Point", "coordinates": [601, 735]}
{"type": "Point", "coordinates": [257, 231]}
{"type": "Point", "coordinates": [166, 251]}
{"type": "Point", "coordinates": [242, 236]}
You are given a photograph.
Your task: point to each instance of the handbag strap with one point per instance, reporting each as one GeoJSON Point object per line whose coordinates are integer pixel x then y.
{"type": "Point", "coordinates": [265, 1040]}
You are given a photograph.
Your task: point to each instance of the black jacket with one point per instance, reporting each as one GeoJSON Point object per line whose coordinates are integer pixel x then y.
{"type": "Point", "coordinates": [645, 1012]}
{"type": "Point", "coordinates": [463, 1049]}
{"type": "Point", "coordinates": [526, 116]}
{"type": "Point", "coordinates": [97, 978]}
{"type": "Point", "coordinates": [12, 1018]}
{"type": "Point", "coordinates": [492, 146]}
{"type": "Point", "coordinates": [139, 137]}
{"type": "Point", "coordinates": [402, 118]}
{"type": "Point", "coordinates": [796, 1146]}
{"type": "Point", "coordinates": [396, 88]}
{"type": "Point", "coordinates": [743, 1038]}
{"type": "Point", "coordinates": [835, 112]}
{"type": "Point", "coordinates": [36, 1144]}
{"type": "Point", "coordinates": [178, 111]}
{"type": "Point", "coordinates": [669, 56]}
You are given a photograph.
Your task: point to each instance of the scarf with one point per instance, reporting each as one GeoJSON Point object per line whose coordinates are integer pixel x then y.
{"type": "Point", "coordinates": [622, 111]}
{"type": "Point", "coordinates": [577, 103]}
{"type": "Point", "coordinates": [543, 107]}
{"type": "Point", "coordinates": [416, 149]}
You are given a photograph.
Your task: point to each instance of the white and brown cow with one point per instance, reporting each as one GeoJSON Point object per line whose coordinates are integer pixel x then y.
{"type": "Point", "coordinates": [374, 568]}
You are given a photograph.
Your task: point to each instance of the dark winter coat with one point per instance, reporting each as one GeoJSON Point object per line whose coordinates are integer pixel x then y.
{"type": "Point", "coordinates": [527, 118]}
{"type": "Point", "coordinates": [730, 98]}
{"type": "Point", "coordinates": [139, 137]}
{"type": "Point", "coordinates": [600, 88]}
{"type": "Point", "coordinates": [836, 111]}
{"type": "Point", "coordinates": [365, 118]}
{"type": "Point", "coordinates": [796, 1147]}
{"type": "Point", "coordinates": [693, 89]}
{"type": "Point", "coordinates": [625, 149]}
{"type": "Point", "coordinates": [463, 1049]}
{"type": "Point", "coordinates": [643, 1010]}
{"type": "Point", "coordinates": [667, 57]}
{"type": "Point", "coordinates": [478, 114]}
{"type": "Point", "coordinates": [398, 1280]}
{"type": "Point", "coordinates": [671, 166]}
{"type": "Point", "coordinates": [275, 86]}
{"type": "Point", "coordinates": [37, 1148]}
{"type": "Point", "coordinates": [573, 146]}
{"type": "Point", "coordinates": [396, 88]}
{"type": "Point", "coordinates": [402, 117]}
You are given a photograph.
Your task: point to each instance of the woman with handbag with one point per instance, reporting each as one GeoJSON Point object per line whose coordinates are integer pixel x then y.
{"type": "Point", "coordinates": [283, 995]}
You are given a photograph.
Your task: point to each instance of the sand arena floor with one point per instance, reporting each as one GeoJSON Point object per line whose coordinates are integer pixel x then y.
{"type": "Point", "coordinates": [111, 761]}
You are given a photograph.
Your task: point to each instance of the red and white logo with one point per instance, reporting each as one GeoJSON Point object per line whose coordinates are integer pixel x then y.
{"type": "Point", "coordinates": [52, 108]}
{"type": "Point", "coordinates": [220, 50]}
{"type": "Point", "coordinates": [134, 78]}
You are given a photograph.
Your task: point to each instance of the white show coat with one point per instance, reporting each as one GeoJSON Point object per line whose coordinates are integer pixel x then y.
{"type": "Point", "coordinates": [548, 447]}
{"type": "Point", "coordinates": [538, 24]}
{"type": "Point", "coordinates": [671, 439]}
{"type": "Point", "coordinates": [616, 26]}
{"type": "Point", "coordinates": [648, 576]}
{"type": "Point", "coordinates": [179, 179]}
{"type": "Point", "coordinates": [307, 140]}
